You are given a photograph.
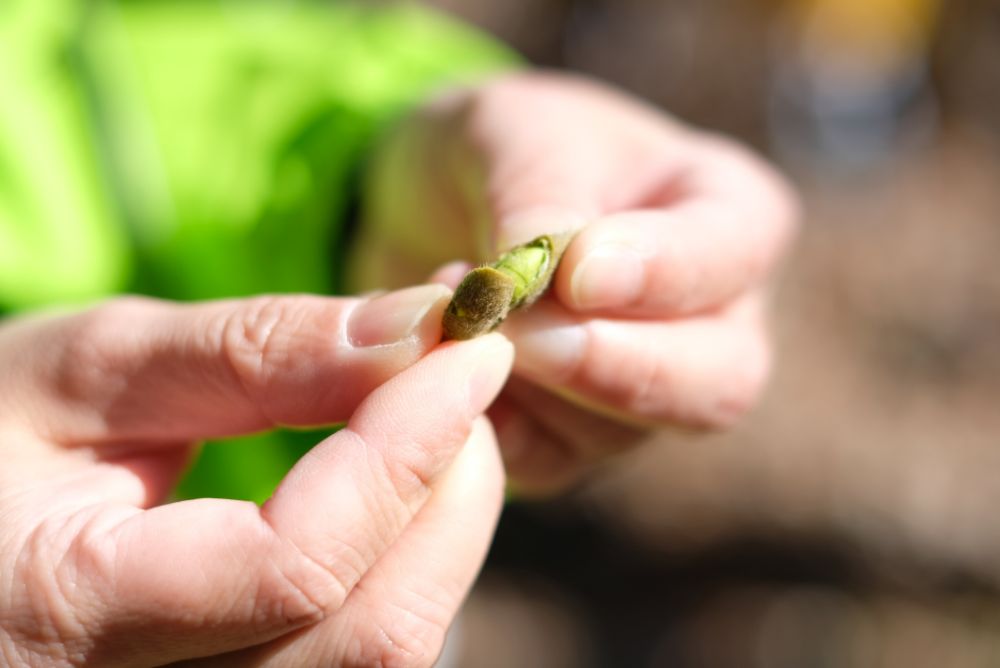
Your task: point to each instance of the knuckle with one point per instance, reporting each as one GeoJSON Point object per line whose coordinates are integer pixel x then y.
{"type": "Point", "coordinates": [788, 217]}
{"type": "Point", "coordinates": [57, 609]}
{"type": "Point", "coordinates": [403, 471]}
{"type": "Point", "coordinates": [670, 277]}
{"type": "Point", "coordinates": [702, 398]}
{"type": "Point", "coordinates": [781, 204]}
{"type": "Point", "coordinates": [302, 593]}
{"type": "Point", "coordinates": [741, 388]}
{"type": "Point", "coordinates": [412, 466]}
{"type": "Point", "coordinates": [518, 89]}
{"type": "Point", "coordinates": [649, 390]}
{"type": "Point", "coordinates": [781, 201]}
{"type": "Point", "coordinates": [124, 309]}
{"type": "Point", "coordinates": [255, 338]}
{"type": "Point", "coordinates": [728, 150]}
{"type": "Point", "coordinates": [295, 589]}
{"type": "Point", "coordinates": [544, 96]}
{"type": "Point", "coordinates": [408, 641]}
{"type": "Point", "coordinates": [95, 348]}
{"type": "Point", "coordinates": [247, 332]}
{"type": "Point", "coordinates": [98, 334]}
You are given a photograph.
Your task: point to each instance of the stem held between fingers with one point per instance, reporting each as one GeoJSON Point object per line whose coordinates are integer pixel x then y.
{"type": "Point", "coordinates": [489, 293]}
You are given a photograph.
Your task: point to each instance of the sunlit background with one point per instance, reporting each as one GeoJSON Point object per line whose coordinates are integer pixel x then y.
{"type": "Point", "coordinates": [854, 519]}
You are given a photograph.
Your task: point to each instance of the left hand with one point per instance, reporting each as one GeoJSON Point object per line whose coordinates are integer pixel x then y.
{"type": "Point", "coordinates": [362, 556]}
{"type": "Point", "coordinates": [656, 316]}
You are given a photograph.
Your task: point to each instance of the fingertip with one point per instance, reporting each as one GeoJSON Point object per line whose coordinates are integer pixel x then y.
{"type": "Point", "coordinates": [606, 276]}
{"type": "Point", "coordinates": [550, 341]}
{"type": "Point", "coordinates": [607, 268]}
{"type": "Point", "coordinates": [494, 359]}
{"type": "Point", "coordinates": [451, 386]}
{"type": "Point", "coordinates": [632, 264]}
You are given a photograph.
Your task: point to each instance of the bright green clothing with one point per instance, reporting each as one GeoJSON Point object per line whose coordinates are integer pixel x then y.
{"type": "Point", "coordinates": [199, 149]}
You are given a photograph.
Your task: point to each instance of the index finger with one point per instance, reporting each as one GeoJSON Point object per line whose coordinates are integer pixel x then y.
{"type": "Point", "coordinates": [144, 371]}
{"type": "Point", "coordinates": [728, 220]}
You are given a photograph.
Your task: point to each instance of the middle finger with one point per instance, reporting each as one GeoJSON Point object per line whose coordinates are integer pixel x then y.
{"type": "Point", "coordinates": [701, 372]}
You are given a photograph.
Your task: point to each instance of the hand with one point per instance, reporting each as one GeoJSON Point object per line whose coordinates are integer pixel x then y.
{"type": "Point", "coordinates": [362, 555]}
{"type": "Point", "coordinates": [656, 316]}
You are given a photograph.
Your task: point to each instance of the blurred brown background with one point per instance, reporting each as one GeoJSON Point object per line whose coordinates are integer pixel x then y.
{"type": "Point", "coordinates": [854, 519]}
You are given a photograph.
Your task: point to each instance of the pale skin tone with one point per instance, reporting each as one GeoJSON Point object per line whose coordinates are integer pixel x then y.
{"type": "Point", "coordinates": [367, 548]}
{"type": "Point", "coordinates": [656, 314]}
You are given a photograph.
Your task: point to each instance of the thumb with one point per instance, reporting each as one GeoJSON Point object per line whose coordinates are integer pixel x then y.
{"type": "Point", "coordinates": [198, 578]}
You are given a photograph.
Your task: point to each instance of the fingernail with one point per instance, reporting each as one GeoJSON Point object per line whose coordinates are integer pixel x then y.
{"type": "Point", "coordinates": [493, 365]}
{"type": "Point", "coordinates": [549, 343]}
{"type": "Point", "coordinates": [610, 275]}
{"type": "Point", "coordinates": [396, 316]}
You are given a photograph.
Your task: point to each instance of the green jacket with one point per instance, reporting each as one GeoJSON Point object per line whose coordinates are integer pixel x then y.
{"type": "Point", "coordinates": [194, 149]}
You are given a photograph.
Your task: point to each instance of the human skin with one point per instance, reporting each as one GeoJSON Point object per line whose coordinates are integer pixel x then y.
{"type": "Point", "coordinates": [657, 313]}
{"type": "Point", "coordinates": [365, 551]}
{"type": "Point", "coordinates": [361, 557]}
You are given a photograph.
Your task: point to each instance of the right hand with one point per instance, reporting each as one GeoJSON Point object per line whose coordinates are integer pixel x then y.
{"type": "Point", "coordinates": [361, 557]}
{"type": "Point", "coordinates": [657, 316]}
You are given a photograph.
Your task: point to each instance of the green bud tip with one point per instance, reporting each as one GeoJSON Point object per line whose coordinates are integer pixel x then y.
{"type": "Point", "coordinates": [487, 294]}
